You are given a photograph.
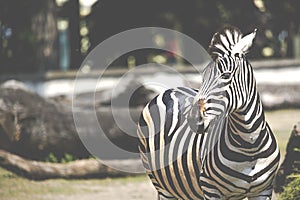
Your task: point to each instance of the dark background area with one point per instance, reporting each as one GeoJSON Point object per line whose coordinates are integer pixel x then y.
{"type": "Point", "coordinates": [38, 36]}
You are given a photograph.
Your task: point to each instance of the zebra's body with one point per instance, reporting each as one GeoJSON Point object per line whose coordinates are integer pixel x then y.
{"type": "Point", "coordinates": [181, 178]}
{"type": "Point", "coordinates": [236, 157]}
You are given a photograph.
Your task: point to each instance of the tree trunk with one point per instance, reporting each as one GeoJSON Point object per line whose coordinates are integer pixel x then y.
{"type": "Point", "coordinates": [45, 29]}
{"type": "Point", "coordinates": [86, 168]}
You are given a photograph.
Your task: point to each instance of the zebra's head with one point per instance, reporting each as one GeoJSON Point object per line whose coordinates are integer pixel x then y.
{"type": "Point", "coordinates": [226, 80]}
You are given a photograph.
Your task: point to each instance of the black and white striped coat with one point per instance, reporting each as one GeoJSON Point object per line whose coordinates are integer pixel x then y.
{"type": "Point", "coordinates": [211, 143]}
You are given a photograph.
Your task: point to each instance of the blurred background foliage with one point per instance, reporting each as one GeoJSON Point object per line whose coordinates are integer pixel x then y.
{"type": "Point", "coordinates": [38, 36]}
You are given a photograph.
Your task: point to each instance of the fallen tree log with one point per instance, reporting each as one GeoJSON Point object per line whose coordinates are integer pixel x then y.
{"type": "Point", "coordinates": [86, 168]}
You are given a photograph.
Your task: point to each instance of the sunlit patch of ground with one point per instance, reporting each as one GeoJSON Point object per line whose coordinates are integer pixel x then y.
{"type": "Point", "coordinates": [13, 187]}
{"type": "Point", "coordinates": [282, 122]}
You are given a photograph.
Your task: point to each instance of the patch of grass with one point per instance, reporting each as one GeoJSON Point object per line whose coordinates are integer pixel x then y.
{"type": "Point", "coordinates": [13, 187]}
{"type": "Point", "coordinates": [67, 158]}
{"type": "Point", "coordinates": [53, 159]}
{"type": "Point", "coordinates": [292, 190]}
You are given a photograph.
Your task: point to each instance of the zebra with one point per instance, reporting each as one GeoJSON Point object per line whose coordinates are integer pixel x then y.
{"type": "Point", "coordinates": [211, 143]}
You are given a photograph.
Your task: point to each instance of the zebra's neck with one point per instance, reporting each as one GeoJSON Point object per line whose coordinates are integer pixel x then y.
{"type": "Point", "coordinates": [248, 123]}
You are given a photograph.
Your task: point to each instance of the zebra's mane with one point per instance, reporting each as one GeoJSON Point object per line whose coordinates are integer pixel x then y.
{"type": "Point", "coordinates": [223, 41]}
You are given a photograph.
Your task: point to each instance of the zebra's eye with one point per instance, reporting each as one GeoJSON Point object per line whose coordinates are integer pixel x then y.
{"type": "Point", "coordinates": [226, 75]}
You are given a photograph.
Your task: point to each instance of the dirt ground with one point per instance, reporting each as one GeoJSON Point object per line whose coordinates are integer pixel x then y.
{"type": "Point", "coordinates": [13, 187]}
{"type": "Point", "coordinates": [113, 189]}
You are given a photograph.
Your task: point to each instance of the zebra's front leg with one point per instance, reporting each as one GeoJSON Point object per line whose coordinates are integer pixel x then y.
{"type": "Point", "coordinates": [162, 197]}
{"type": "Point", "coordinates": [260, 198]}
{"type": "Point", "coordinates": [265, 195]}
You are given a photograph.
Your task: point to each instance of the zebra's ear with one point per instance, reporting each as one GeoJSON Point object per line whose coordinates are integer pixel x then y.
{"type": "Point", "coordinates": [243, 44]}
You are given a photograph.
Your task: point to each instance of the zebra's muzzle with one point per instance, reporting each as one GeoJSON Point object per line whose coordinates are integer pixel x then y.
{"type": "Point", "coordinates": [202, 107]}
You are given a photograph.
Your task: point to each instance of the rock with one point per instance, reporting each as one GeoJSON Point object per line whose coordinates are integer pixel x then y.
{"type": "Point", "coordinates": [14, 84]}
{"type": "Point", "coordinates": [291, 163]}
{"type": "Point", "coordinates": [33, 126]}
{"type": "Point", "coordinates": [132, 94]}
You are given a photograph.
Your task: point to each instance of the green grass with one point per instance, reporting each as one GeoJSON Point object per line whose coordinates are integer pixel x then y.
{"type": "Point", "coordinates": [14, 187]}
{"type": "Point", "coordinates": [292, 190]}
